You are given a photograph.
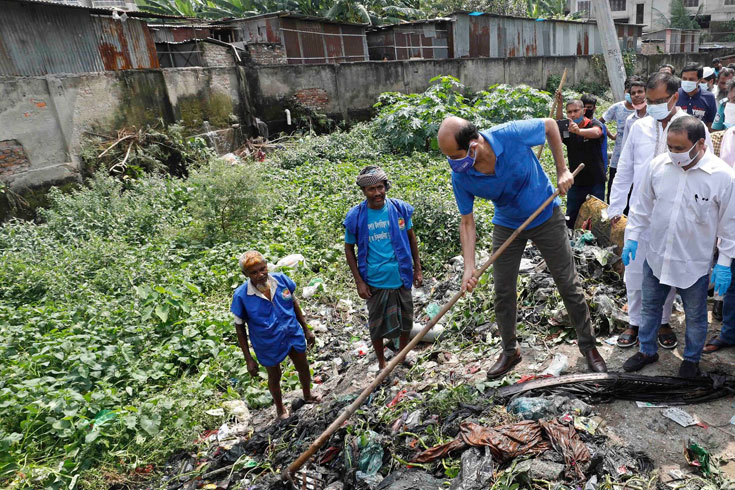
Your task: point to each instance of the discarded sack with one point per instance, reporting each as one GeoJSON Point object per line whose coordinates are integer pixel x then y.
{"type": "Point", "coordinates": [508, 442]}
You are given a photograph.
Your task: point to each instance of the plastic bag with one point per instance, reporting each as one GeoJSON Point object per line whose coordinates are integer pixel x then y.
{"type": "Point", "coordinates": [476, 472]}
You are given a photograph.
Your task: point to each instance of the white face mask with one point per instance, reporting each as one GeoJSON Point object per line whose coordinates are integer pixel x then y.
{"type": "Point", "coordinates": [729, 114]}
{"type": "Point", "coordinates": [683, 159]}
{"type": "Point", "coordinates": [703, 87]}
{"type": "Point", "coordinates": [688, 86]}
{"type": "Point", "coordinates": [659, 111]}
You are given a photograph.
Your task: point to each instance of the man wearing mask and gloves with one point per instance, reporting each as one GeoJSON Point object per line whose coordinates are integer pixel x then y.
{"type": "Point", "coordinates": [645, 141]}
{"type": "Point", "coordinates": [499, 164]}
{"type": "Point", "coordinates": [685, 203]}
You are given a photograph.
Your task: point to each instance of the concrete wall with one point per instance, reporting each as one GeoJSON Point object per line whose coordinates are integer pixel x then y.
{"type": "Point", "coordinates": [44, 118]}
{"type": "Point", "coordinates": [349, 90]}
{"type": "Point", "coordinates": [649, 64]}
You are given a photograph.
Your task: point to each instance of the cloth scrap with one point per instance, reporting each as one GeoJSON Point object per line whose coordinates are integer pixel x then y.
{"type": "Point", "coordinates": [508, 442]}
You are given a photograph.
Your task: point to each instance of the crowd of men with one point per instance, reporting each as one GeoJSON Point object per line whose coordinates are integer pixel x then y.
{"type": "Point", "coordinates": [670, 172]}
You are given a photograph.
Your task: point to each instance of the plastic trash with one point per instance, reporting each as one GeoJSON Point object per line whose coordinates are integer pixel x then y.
{"type": "Point", "coordinates": [316, 284]}
{"type": "Point", "coordinates": [360, 348]}
{"type": "Point", "coordinates": [679, 416]}
{"type": "Point", "coordinates": [591, 483]}
{"type": "Point", "coordinates": [432, 309]}
{"type": "Point", "coordinates": [557, 366]}
{"type": "Point", "coordinates": [344, 305]}
{"type": "Point", "coordinates": [231, 158]}
{"type": "Point", "coordinates": [292, 261]}
{"type": "Point", "coordinates": [216, 412]}
{"type": "Point", "coordinates": [237, 409]}
{"type": "Point", "coordinates": [431, 336]}
{"type": "Point", "coordinates": [547, 406]}
{"type": "Point", "coordinates": [413, 420]}
{"type": "Point", "coordinates": [698, 457]}
{"type": "Point", "coordinates": [476, 471]}
{"type": "Point", "coordinates": [365, 452]}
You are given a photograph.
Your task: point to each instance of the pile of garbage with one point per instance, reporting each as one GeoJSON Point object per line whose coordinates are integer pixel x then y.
{"type": "Point", "coordinates": [438, 422]}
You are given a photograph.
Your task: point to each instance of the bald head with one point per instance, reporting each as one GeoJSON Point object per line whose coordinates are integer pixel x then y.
{"type": "Point", "coordinates": [455, 135]}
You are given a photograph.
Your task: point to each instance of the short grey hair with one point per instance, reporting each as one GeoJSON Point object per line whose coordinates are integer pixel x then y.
{"type": "Point", "coordinates": [250, 258]}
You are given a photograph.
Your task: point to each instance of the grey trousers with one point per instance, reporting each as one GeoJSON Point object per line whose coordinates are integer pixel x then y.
{"type": "Point", "coordinates": [551, 240]}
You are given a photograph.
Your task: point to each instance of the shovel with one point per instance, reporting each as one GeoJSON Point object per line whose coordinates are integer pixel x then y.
{"type": "Point", "coordinates": [324, 437]}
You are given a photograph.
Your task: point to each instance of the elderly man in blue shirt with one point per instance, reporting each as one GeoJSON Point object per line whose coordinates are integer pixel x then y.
{"type": "Point", "coordinates": [276, 325]}
{"type": "Point", "coordinates": [499, 164]}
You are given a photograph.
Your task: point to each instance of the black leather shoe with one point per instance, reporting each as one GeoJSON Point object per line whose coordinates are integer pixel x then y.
{"type": "Point", "coordinates": [717, 310]}
{"type": "Point", "coordinates": [689, 369]}
{"type": "Point", "coordinates": [595, 361]}
{"type": "Point", "coordinates": [638, 361]}
{"type": "Point", "coordinates": [504, 364]}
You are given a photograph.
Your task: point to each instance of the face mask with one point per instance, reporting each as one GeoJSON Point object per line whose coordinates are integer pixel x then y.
{"type": "Point", "coordinates": [688, 86]}
{"type": "Point", "coordinates": [703, 87]}
{"type": "Point", "coordinates": [640, 106]}
{"type": "Point", "coordinates": [578, 120]}
{"type": "Point", "coordinates": [588, 114]}
{"type": "Point", "coordinates": [659, 111]}
{"type": "Point", "coordinates": [683, 159]}
{"type": "Point", "coordinates": [729, 114]}
{"type": "Point", "coordinates": [464, 164]}
{"type": "Point", "coordinates": [628, 99]}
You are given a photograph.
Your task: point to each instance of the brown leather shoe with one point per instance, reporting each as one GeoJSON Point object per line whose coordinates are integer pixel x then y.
{"type": "Point", "coordinates": [595, 361]}
{"type": "Point", "coordinates": [504, 364]}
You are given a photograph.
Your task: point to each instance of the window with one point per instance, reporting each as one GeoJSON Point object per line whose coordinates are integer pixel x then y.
{"type": "Point", "coordinates": [583, 6]}
{"type": "Point", "coordinates": [639, 13]}
{"type": "Point", "coordinates": [729, 2]}
{"type": "Point", "coordinates": [691, 3]}
{"type": "Point", "coordinates": [617, 5]}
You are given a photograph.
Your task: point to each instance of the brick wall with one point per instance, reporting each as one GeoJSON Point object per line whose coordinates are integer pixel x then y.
{"type": "Point", "coordinates": [267, 54]}
{"type": "Point", "coordinates": [216, 55]}
{"type": "Point", "coordinates": [13, 158]}
{"type": "Point", "coordinates": [313, 98]}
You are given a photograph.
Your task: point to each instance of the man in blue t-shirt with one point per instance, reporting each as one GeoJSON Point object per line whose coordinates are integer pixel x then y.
{"type": "Point", "coordinates": [387, 263]}
{"type": "Point", "coordinates": [700, 104]}
{"type": "Point", "coordinates": [499, 164]}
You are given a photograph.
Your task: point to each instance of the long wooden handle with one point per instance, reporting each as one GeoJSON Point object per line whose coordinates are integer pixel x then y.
{"type": "Point", "coordinates": [552, 113]}
{"type": "Point", "coordinates": [322, 439]}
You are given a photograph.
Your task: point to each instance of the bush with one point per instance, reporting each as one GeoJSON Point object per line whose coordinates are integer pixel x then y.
{"type": "Point", "coordinates": [410, 122]}
{"type": "Point", "coordinates": [225, 200]}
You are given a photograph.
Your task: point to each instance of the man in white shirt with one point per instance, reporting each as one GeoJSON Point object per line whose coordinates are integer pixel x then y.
{"type": "Point", "coordinates": [646, 138]}
{"type": "Point", "coordinates": [686, 201]}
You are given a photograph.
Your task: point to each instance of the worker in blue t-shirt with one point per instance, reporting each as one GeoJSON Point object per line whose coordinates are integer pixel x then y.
{"type": "Point", "coordinates": [387, 263]}
{"type": "Point", "coordinates": [499, 164]}
{"type": "Point", "coordinates": [276, 325]}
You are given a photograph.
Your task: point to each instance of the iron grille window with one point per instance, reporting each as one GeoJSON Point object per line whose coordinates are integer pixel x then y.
{"type": "Point", "coordinates": [691, 3]}
{"type": "Point", "coordinates": [583, 6]}
{"type": "Point", "coordinates": [729, 2]}
{"type": "Point", "coordinates": [617, 5]}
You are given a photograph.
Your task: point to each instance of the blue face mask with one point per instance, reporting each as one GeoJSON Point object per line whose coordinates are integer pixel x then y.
{"type": "Point", "coordinates": [464, 164]}
{"type": "Point", "coordinates": [578, 120]}
{"type": "Point", "coordinates": [628, 99]}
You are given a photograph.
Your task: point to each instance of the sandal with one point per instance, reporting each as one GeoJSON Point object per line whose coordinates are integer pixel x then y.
{"type": "Point", "coordinates": [716, 344]}
{"type": "Point", "coordinates": [626, 340]}
{"type": "Point", "coordinates": [667, 340]}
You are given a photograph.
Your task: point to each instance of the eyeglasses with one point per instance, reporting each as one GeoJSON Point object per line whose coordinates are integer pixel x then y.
{"type": "Point", "coordinates": [659, 101]}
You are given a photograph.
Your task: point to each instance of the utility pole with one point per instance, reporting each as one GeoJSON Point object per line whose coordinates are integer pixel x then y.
{"type": "Point", "coordinates": [610, 47]}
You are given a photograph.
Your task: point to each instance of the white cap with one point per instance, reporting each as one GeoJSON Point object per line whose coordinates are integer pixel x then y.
{"type": "Point", "coordinates": [708, 72]}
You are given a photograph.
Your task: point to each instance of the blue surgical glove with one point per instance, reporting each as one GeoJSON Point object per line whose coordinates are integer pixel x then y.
{"type": "Point", "coordinates": [629, 250]}
{"type": "Point", "coordinates": [721, 277]}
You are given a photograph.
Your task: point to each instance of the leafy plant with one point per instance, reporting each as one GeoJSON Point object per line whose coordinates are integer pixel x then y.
{"type": "Point", "coordinates": [409, 122]}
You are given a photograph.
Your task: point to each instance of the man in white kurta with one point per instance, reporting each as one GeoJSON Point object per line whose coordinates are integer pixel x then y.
{"type": "Point", "coordinates": [645, 140]}
{"type": "Point", "coordinates": [685, 203]}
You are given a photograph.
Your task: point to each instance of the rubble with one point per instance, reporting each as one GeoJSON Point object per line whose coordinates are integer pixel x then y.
{"type": "Point", "coordinates": [441, 423]}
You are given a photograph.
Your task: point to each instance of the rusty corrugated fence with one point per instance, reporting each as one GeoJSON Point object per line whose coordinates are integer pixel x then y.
{"type": "Point", "coordinates": [44, 39]}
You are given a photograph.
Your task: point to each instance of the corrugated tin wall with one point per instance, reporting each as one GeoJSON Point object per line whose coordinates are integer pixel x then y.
{"type": "Point", "coordinates": [507, 37]}
{"type": "Point", "coordinates": [428, 40]}
{"type": "Point", "coordinates": [43, 39]}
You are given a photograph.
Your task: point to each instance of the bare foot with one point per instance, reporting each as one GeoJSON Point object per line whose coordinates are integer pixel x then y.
{"type": "Point", "coordinates": [282, 415]}
{"type": "Point", "coordinates": [313, 399]}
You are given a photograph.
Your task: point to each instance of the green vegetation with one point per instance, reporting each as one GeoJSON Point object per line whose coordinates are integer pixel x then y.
{"type": "Point", "coordinates": [116, 336]}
